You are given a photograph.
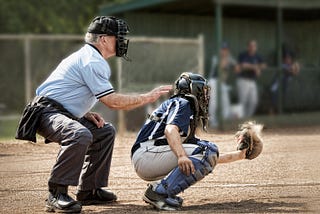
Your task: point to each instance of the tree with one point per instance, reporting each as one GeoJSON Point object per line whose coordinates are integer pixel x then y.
{"type": "Point", "coordinates": [48, 16]}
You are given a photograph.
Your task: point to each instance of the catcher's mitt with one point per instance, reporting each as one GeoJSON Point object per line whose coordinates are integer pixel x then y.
{"type": "Point", "coordinates": [250, 139]}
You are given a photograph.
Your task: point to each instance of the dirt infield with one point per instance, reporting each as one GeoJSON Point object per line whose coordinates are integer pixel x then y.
{"type": "Point", "coordinates": [284, 179]}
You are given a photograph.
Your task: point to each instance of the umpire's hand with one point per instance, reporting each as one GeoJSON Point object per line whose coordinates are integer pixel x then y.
{"type": "Point", "coordinates": [154, 95]}
{"type": "Point", "coordinates": [95, 118]}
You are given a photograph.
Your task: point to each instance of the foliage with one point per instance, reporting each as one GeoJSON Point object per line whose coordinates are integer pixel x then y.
{"type": "Point", "coordinates": [48, 16]}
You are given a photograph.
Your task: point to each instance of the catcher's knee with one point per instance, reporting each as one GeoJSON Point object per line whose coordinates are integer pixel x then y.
{"type": "Point", "coordinates": [177, 182]}
{"type": "Point", "coordinates": [209, 151]}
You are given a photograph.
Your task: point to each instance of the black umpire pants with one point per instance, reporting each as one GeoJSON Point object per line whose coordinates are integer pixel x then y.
{"type": "Point", "coordinates": [85, 152]}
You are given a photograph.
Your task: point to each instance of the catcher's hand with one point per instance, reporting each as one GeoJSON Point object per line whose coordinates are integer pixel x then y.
{"type": "Point", "coordinates": [248, 137]}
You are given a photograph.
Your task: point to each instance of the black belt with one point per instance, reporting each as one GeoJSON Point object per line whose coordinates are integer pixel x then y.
{"type": "Point", "coordinates": [29, 122]}
{"type": "Point", "coordinates": [47, 102]}
{"type": "Point", "coordinates": [161, 142]}
{"type": "Point", "coordinates": [134, 148]}
{"type": "Point", "coordinates": [158, 142]}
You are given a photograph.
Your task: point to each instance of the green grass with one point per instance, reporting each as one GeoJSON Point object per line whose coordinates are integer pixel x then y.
{"type": "Point", "coordinates": [285, 120]}
{"type": "Point", "coordinates": [8, 128]}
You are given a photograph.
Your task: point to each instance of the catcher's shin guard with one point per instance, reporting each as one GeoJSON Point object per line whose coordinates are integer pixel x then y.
{"type": "Point", "coordinates": [177, 182]}
{"type": "Point", "coordinates": [209, 151]}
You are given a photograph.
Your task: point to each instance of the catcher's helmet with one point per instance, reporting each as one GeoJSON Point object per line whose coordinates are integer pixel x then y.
{"type": "Point", "coordinates": [195, 86]}
{"type": "Point", "coordinates": [112, 26]}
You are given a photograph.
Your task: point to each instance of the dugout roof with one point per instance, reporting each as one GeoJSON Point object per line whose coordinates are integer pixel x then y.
{"type": "Point", "coordinates": [265, 9]}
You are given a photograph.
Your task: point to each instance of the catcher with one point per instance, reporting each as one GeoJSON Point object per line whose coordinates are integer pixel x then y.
{"type": "Point", "coordinates": [167, 151]}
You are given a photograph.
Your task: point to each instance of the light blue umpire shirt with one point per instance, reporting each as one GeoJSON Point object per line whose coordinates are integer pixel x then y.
{"type": "Point", "coordinates": [79, 81]}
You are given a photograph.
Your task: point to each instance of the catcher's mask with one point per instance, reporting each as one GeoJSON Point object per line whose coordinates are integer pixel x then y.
{"type": "Point", "coordinates": [195, 88]}
{"type": "Point", "coordinates": [112, 26]}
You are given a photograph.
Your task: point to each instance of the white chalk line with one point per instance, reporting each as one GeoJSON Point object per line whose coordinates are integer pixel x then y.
{"type": "Point", "coordinates": [235, 185]}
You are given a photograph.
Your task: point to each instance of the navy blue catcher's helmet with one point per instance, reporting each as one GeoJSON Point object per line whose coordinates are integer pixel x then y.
{"type": "Point", "coordinates": [194, 85]}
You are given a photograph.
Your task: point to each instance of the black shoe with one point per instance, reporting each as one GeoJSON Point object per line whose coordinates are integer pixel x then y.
{"type": "Point", "coordinates": [98, 196]}
{"type": "Point", "coordinates": [162, 202]}
{"type": "Point", "coordinates": [62, 203]}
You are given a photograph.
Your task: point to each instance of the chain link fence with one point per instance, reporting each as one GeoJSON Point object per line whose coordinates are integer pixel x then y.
{"type": "Point", "coordinates": [27, 60]}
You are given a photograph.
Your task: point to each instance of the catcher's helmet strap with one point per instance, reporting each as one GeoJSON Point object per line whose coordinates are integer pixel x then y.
{"type": "Point", "coordinates": [194, 122]}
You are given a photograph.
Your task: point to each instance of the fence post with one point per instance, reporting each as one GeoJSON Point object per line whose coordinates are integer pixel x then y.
{"type": "Point", "coordinates": [279, 58]}
{"type": "Point", "coordinates": [121, 122]}
{"type": "Point", "coordinates": [201, 54]}
{"type": "Point", "coordinates": [218, 32]}
{"type": "Point", "coordinates": [27, 69]}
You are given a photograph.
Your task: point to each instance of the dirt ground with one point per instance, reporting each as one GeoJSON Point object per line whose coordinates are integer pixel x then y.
{"type": "Point", "coordinates": [285, 178]}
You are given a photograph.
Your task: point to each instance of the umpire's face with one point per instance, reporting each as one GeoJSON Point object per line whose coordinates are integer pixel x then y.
{"type": "Point", "coordinates": [108, 43]}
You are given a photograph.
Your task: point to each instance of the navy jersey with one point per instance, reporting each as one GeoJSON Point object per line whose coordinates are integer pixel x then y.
{"type": "Point", "coordinates": [252, 59]}
{"type": "Point", "coordinates": [175, 111]}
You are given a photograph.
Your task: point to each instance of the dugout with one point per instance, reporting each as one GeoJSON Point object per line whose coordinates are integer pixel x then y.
{"type": "Point", "coordinates": [273, 23]}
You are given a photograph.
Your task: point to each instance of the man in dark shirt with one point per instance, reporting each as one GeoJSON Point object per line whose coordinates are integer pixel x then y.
{"type": "Point", "coordinates": [251, 65]}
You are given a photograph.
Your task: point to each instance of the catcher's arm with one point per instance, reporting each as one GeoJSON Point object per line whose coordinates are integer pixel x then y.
{"type": "Point", "coordinates": [232, 156]}
{"type": "Point", "coordinates": [174, 141]}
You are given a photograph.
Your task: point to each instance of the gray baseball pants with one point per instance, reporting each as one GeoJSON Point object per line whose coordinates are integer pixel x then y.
{"type": "Point", "coordinates": [85, 150]}
{"type": "Point", "coordinates": [248, 95]}
{"type": "Point", "coordinates": [153, 163]}
{"type": "Point", "coordinates": [213, 103]}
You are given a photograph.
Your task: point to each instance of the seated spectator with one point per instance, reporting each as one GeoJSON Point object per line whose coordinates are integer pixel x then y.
{"type": "Point", "coordinates": [290, 68]}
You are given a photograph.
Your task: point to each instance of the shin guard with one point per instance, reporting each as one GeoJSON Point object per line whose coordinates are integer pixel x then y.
{"type": "Point", "coordinates": [177, 182]}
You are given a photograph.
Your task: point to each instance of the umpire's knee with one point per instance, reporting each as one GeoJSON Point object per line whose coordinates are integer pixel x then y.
{"type": "Point", "coordinates": [83, 136]}
{"type": "Point", "coordinates": [109, 132]}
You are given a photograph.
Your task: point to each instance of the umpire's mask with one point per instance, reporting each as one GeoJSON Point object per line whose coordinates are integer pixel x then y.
{"type": "Point", "coordinates": [112, 26]}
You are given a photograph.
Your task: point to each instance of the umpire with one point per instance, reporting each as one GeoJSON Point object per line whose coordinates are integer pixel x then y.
{"type": "Point", "coordinates": [60, 112]}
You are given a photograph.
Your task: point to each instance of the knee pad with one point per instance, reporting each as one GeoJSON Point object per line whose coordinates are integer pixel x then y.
{"type": "Point", "coordinates": [177, 182]}
{"type": "Point", "coordinates": [209, 151]}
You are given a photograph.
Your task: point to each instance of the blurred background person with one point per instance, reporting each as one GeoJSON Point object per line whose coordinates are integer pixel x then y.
{"type": "Point", "coordinates": [290, 67]}
{"type": "Point", "coordinates": [250, 66]}
{"type": "Point", "coordinates": [228, 65]}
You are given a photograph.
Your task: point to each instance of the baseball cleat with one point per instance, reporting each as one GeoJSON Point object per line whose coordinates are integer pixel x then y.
{"type": "Point", "coordinates": [162, 202]}
{"type": "Point", "coordinates": [62, 203]}
{"type": "Point", "coordinates": [98, 196]}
